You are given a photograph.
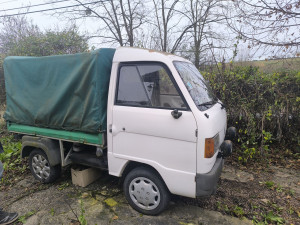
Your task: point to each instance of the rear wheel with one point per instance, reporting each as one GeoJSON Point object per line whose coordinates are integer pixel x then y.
{"type": "Point", "coordinates": [41, 168]}
{"type": "Point", "coordinates": [145, 191]}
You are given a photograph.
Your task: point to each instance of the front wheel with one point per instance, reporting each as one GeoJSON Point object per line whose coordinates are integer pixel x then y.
{"type": "Point", "coordinates": [145, 191]}
{"type": "Point", "coordinates": [41, 168]}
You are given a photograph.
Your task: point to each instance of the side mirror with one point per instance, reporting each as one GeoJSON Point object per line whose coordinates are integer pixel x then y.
{"type": "Point", "coordinates": [176, 114]}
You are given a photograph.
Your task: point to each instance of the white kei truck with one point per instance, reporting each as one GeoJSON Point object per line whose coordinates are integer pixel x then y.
{"type": "Point", "coordinates": [143, 115]}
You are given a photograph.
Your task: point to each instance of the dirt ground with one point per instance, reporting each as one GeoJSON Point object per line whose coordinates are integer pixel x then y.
{"type": "Point", "coordinates": [271, 196]}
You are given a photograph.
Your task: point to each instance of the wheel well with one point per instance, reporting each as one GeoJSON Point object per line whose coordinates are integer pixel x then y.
{"type": "Point", "coordinates": [49, 146]}
{"type": "Point", "coordinates": [26, 151]}
{"type": "Point", "coordinates": [132, 165]}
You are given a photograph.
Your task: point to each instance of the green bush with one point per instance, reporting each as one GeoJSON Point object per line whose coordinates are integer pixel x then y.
{"type": "Point", "coordinates": [11, 155]}
{"type": "Point", "coordinates": [14, 166]}
{"type": "Point", "coordinates": [263, 107]}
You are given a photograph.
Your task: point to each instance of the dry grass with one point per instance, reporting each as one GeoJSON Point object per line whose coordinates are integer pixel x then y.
{"type": "Point", "coordinates": [276, 65]}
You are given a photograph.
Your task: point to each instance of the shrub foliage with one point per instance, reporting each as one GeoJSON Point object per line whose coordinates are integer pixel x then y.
{"type": "Point", "coordinates": [263, 107]}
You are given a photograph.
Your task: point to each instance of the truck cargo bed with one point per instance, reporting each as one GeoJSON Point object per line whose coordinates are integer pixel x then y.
{"type": "Point", "coordinates": [64, 92]}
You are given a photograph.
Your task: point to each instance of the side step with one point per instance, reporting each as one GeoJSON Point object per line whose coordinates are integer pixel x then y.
{"type": "Point", "coordinates": [90, 159]}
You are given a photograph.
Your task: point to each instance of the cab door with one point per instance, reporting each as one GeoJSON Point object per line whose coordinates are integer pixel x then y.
{"type": "Point", "coordinates": [152, 123]}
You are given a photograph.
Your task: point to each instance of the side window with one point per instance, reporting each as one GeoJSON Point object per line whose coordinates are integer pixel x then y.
{"type": "Point", "coordinates": [149, 86]}
{"type": "Point", "coordinates": [160, 88]}
{"type": "Point", "coordinates": [131, 90]}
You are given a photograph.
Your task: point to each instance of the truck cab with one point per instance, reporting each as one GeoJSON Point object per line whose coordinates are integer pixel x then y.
{"type": "Point", "coordinates": [165, 132]}
{"type": "Point", "coordinates": [162, 113]}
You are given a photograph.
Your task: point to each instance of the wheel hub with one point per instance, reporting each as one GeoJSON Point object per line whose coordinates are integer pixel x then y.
{"type": "Point", "coordinates": [144, 193]}
{"type": "Point", "coordinates": [41, 167]}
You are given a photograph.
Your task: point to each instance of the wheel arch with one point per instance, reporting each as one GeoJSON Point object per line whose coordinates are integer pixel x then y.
{"type": "Point", "coordinates": [131, 165]}
{"type": "Point", "coordinates": [49, 146]}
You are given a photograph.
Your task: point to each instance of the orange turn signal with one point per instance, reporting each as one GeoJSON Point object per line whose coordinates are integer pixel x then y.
{"type": "Point", "coordinates": [209, 148]}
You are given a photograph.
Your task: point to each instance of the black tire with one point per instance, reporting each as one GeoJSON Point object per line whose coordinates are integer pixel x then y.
{"type": "Point", "coordinates": [150, 181]}
{"type": "Point", "coordinates": [48, 173]}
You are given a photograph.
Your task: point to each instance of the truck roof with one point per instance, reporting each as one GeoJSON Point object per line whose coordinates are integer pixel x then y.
{"type": "Point", "coordinates": [130, 54]}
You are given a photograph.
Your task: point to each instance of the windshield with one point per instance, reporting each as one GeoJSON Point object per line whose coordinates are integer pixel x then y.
{"type": "Point", "coordinates": [198, 88]}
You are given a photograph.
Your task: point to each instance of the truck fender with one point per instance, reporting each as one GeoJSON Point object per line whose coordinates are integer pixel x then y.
{"type": "Point", "coordinates": [49, 146]}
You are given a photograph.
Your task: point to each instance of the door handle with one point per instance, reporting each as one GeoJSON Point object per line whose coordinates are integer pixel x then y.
{"type": "Point", "coordinates": [114, 130]}
{"type": "Point", "coordinates": [176, 114]}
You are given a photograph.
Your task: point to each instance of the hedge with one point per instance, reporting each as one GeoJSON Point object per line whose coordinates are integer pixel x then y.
{"type": "Point", "coordinates": [265, 108]}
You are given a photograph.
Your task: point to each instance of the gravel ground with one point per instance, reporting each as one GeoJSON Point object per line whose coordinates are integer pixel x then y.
{"type": "Point", "coordinates": [270, 197]}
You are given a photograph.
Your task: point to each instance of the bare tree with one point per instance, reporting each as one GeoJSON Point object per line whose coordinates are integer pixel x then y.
{"type": "Point", "coordinates": [205, 17]}
{"type": "Point", "coordinates": [168, 25]}
{"type": "Point", "coordinates": [119, 20]}
{"type": "Point", "coordinates": [14, 30]}
{"type": "Point", "coordinates": [272, 23]}
{"type": "Point", "coordinates": [21, 37]}
{"type": "Point", "coordinates": [171, 25]}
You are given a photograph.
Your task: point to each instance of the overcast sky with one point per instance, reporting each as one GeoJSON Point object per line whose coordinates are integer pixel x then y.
{"type": "Point", "coordinates": [41, 19]}
{"type": "Point", "coordinates": [46, 20]}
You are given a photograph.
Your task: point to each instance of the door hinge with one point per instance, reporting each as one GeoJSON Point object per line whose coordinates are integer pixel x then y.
{"type": "Point", "coordinates": [196, 132]}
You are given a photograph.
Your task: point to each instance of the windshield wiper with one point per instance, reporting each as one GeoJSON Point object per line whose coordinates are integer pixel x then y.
{"type": "Point", "coordinates": [223, 106]}
{"type": "Point", "coordinates": [207, 103]}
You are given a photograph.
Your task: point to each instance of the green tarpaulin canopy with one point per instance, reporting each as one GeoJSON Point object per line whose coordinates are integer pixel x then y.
{"type": "Point", "coordinates": [66, 92]}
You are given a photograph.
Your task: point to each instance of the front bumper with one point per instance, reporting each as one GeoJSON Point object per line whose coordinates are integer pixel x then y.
{"type": "Point", "coordinates": [206, 184]}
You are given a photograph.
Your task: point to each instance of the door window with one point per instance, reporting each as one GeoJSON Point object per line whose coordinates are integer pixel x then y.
{"type": "Point", "coordinates": [131, 90]}
{"type": "Point", "coordinates": [148, 85]}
